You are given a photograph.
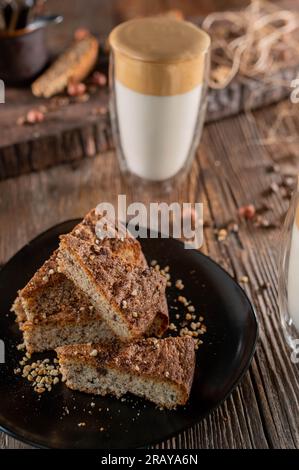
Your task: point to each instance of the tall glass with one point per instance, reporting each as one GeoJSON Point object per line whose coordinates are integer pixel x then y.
{"type": "Point", "coordinates": [288, 287]}
{"type": "Point", "coordinates": [158, 94]}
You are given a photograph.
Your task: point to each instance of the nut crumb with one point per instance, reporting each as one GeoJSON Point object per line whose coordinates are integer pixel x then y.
{"type": "Point", "coordinates": [179, 284]}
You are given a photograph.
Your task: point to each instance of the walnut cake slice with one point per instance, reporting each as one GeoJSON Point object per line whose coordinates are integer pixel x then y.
{"type": "Point", "coordinates": [51, 312]}
{"type": "Point", "coordinates": [160, 370]}
{"type": "Point", "coordinates": [122, 244]}
{"type": "Point", "coordinates": [130, 298]}
{"type": "Point", "coordinates": [114, 236]}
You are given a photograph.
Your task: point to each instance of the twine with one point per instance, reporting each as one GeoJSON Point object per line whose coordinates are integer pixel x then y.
{"type": "Point", "coordinates": [251, 43]}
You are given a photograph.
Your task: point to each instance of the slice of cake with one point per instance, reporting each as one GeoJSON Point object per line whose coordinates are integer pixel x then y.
{"type": "Point", "coordinates": [51, 312]}
{"type": "Point", "coordinates": [67, 326]}
{"type": "Point", "coordinates": [159, 370]}
{"type": "Point", "coordinates": [37, 297]}
{"type": "Point", "coordinates": [129, 297]}
{"type": "Point", "coordinates": [116, 237]}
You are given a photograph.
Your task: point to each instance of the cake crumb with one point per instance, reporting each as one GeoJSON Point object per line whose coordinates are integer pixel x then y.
{"type": "Point", "coordinates": [179, 284]}
{"type": "Point", "coordinates": [93, 353]}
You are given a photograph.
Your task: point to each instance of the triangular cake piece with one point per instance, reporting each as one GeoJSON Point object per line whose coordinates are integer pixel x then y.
{"type": "Point", "coordinates": [129, 297]}
{"type": "Point", "coordinates": [159, 370]}
{"type": "Point", "coordinates": [51, 312]}
{"type": "Point", "coordinates": [123, 245]}
{"type": "Point", "coordinates": [114, 236]}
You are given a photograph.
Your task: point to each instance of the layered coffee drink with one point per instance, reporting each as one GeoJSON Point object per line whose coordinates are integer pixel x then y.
{"type": "Point", "coordinates": [159, 69]}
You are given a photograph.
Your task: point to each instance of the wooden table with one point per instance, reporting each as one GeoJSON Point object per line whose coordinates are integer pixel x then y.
{"type": "Point", "coordinates": [232, 168]}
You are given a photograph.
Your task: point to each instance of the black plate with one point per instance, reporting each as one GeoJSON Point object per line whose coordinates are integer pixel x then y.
{"type": "Point", "coordinates": [228, 348]}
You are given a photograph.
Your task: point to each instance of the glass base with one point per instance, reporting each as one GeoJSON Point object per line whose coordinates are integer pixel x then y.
{"type": "Point", "coordinates": [157, 188]}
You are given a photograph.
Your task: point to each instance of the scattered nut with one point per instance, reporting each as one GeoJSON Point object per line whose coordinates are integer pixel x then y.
{"type": "Point", "coordinates": [34, 116]}
{"type": "Point", "coordinates": [247, 212]}
{"type": "Point", "coordinates": [81, 33]}
{"type": "Point", "coordinates": [76, 89]}
{"type": "Point", "coordinates": [99, 79]}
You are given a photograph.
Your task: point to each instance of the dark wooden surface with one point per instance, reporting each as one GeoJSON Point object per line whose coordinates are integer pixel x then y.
{"type": "Point", "coordinates": [231, 169]}
{"type": "Point", "coordinates": [78, 130]}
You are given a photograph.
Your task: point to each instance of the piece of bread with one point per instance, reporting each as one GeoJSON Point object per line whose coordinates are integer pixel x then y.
{"type": "Point", "coordinates": [160, 370]}
{"type": "Point", "coordinates": [129, 297]}
{"type": "Point", "coordinates": [74, 64]}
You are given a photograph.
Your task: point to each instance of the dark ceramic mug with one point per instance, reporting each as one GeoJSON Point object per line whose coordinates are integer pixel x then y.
{"type": "Point", "coordinates": [24, 53]}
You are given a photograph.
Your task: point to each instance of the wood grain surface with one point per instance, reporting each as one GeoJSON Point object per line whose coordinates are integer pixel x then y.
{"type": "Point", "coordinates": [233, 167]}
{"type": "Point", "coordinates": [78, 130]}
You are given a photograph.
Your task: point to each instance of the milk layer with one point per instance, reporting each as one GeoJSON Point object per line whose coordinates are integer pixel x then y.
{"type": "Point", "coordinates": [156, 132]}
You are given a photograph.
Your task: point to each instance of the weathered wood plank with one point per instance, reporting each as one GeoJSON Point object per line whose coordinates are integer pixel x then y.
{"type": "Point", "coordinates": [230, 170]}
